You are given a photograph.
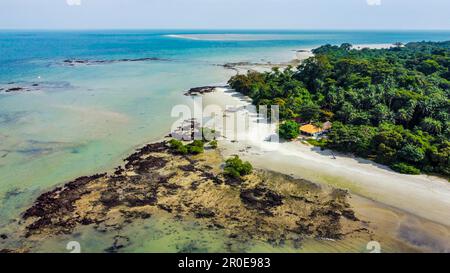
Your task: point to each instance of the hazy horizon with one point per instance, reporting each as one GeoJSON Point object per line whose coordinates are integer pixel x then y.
{"type": "Point", "coordinates": [228, 29]}
{"type": "Point", "coordinates": [302, 15]}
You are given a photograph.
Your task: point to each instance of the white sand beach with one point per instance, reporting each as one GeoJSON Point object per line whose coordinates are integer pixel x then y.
{"type": "Point", "coordinates": [425, 196]}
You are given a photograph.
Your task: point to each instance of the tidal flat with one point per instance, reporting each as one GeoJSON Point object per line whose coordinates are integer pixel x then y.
{"type": "Point", "coordinates": [265, 207]}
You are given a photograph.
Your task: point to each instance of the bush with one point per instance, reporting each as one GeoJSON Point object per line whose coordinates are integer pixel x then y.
{"type": "Point", "coordinates": [198, 143]}
{"type": "Point", "coordinates": [405, 168]}
{"type": "Point", "coordinates": [183, 150]}
{"type": "Point", "coordinates": [411, 153]}
{"type": "Point", "coordinates": [322, 143]}
{"type": "Point", "coordinates": [214, 144]}
{"type": "Point", "coordinates": [289, 130]}
{"type": "Point", "coordinates": [195, 150]}
{"type": "Point", "coordinates": [196, 147]}
{"type": "Point", "coordinates": [178, 147]}
{"type": "Point", "coordinates": [236, 168]}
{"type": "Point", "coordinates": [175, 144]}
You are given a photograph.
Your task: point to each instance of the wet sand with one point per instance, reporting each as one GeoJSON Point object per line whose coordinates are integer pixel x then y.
{"type": "Point", "coordinates": [413, 209]}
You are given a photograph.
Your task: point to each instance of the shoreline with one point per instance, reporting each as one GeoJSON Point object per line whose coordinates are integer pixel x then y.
{"type": "Point", "coordinates": [264, 207]}
{"type": "Point", "coordinates": [287, 158]}
{"type": "Point", "coordinates": [390, 199]}
{"type": "Point", "coordinates": [422, 195]}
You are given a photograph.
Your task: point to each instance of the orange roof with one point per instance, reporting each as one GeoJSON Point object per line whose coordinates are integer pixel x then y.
{"type": "Point", "coordinates": [310, 129]}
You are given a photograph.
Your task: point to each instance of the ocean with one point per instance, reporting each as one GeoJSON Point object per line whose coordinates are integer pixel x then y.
{"type": "Point", "coordinates": [98, 95]}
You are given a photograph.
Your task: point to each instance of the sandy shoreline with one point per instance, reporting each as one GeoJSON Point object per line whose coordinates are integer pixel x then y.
{"type": "Point", "coordinates": [412, 209]}
{"type": "Point", "coordinates": [422, 195]}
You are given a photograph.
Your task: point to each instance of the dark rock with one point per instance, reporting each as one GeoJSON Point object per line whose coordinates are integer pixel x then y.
{"type": "Point", "coordinates": [135, 158]}
{"type": "Point", "coordinates": [14, 89]}
{"type": "Point", "coordinates": [261, 199]}
{"type": "Point", "coordinates": [302, 198]}
{"type": "Point", "coordinates": [119, 170]}
{"type": "Point", "coordinates": [110, 199]}
{"type": "Point", "coordinates": [136, 214]}
{"type": "Point", "coordinates": [304, 228]}
{"type": "Point", "coordinates": [165, 207]}
{"type": "Point", "coordinates": [188, 168]}
{"type": "Point", "coordinates": [87, 221]}
{"type": "Point", "coordinates": [74, 62]}
{"type": "Point", "coordinates": [349, 214]}
{"type": "Point", "coordinates": [196, 91]}
{"type": "Point", "coordinates": [150, 163]}
{"type": "Point", "coordinates": [52, 208]}
{"type": "Point", "coordinates": [120, 242]}
{"type": "Point", "coordinates": [204, 213]}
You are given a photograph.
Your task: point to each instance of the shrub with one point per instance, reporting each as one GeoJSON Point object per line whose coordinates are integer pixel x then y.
{"type": "Point", "coordinates": [322, 143]}
{"type": "Point", "coordinates": [198, 143]}
{"type": "Point", "coordinates": [178, 147]}
{"type": "Point", "coordinates": [183, 150]}
{"type": "Point", "coordinates": [214, 144]}
{"type": "Point", "coordinates": [405, 168]}
{"type": "Point", "coordinates": [195, 150]}
{"type": "Point", "coordinates": [236, 168]}
{"type": "Point", "coordinates": [411, 153]}
{"type": "Point", "coordinates": [175, 144]}
{"type": "Point", "coordinates": [289, 130]}
{"type": "Point", "coordinates": [196, 147]}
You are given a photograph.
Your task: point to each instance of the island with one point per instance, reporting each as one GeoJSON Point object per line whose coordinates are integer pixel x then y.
{"type": "Point", "coordinates": [388, 105]}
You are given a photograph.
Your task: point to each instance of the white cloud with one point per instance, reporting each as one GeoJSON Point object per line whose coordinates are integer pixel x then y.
{"type": "Point", "coordinates": [373, 2]}
{"type": "Point", "coordinates": [73, 2]}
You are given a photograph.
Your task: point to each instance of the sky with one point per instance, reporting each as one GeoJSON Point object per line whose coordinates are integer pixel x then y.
{"type": "Point", "coordinates": [225, 14]}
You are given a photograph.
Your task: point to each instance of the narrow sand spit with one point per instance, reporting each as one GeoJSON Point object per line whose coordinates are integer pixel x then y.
{"type": "Point", "coordinates": [425, 196]}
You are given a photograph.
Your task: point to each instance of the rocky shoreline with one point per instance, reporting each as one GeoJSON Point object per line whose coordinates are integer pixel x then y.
{"type": "Point", "coordinates": [265, 206]}
{"type": "Point", "coordinates": [202, 90]}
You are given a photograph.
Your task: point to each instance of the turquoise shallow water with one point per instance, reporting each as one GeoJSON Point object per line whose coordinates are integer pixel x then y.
{"type": "Point", "coordinates": [86, 118]}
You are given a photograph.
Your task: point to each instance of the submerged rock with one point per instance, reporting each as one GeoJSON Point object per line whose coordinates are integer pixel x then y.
{"type": "Point", "coordinates": [19, 87]}
{"type": "Point", "coordinates": [74, 62]}
{"type": "Point", "coordinates": [120, 242]}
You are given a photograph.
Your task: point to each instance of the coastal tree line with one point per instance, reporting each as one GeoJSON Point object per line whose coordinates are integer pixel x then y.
{"type": "Point", "coordinates": [388, 105]}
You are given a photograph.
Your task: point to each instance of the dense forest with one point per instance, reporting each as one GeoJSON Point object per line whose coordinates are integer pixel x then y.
{"type": "Point", "coordinates": [388, 105]}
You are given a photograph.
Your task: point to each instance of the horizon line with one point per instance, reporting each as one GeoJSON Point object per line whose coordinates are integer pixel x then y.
{"type": "Point", "coordinates": [226, 29]}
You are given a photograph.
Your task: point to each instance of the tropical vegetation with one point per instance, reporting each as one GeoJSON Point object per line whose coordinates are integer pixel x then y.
{"type": "Point", "coordinates": [389, 105]}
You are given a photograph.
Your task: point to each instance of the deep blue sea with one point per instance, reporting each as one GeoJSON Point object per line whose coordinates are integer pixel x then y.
{"type": "Point", "coordinates": [24, 53]}
{"type": "Point", "coordinates": [116, 93]}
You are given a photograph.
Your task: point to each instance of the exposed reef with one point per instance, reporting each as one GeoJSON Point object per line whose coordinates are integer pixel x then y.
{"type": "Point", "coordinates": [74, 62]}
{"type": "Point", "coordinates": [18, 87]}
{"type": "Point", "coordinates": [265, 206]}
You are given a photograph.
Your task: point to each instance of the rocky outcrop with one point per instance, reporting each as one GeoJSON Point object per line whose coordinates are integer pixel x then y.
{"type": "Point", "coordinates": [74, 62]}
{"type": "Point", "coordinates": [264, 206]}
{"type": "Point", "coordinates": [18, 87]}
{"type": "Point", "coordinates": [198, 91]}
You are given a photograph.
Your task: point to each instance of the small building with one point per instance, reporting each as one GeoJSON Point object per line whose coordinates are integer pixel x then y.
{"type": "Point", "coordinates": [327, 126]}
{"type": "Point", "coordinates": [315, 131]}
